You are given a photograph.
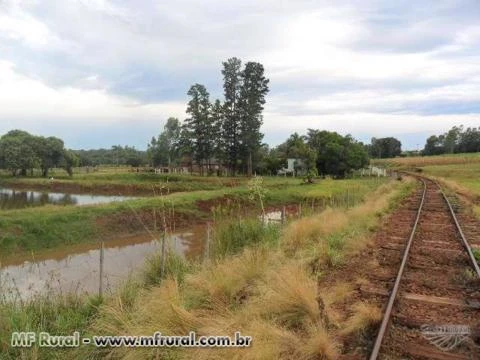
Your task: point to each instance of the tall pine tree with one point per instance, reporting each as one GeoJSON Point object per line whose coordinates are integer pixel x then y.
{"type": "Point", "coordinates": [252, 99]}
{"type": "Point", "coordinates": [232, 81]}
{"type": "Point", "coordinates": [199, 125]}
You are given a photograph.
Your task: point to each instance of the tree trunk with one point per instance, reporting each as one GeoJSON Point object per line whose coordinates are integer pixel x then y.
{"type": "Point", "coordinates": [249, 165]}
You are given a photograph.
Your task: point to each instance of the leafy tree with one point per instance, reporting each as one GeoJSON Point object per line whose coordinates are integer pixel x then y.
{"type": "Point", "coordinates": [70, 160]}
{"type": "Point", "coordinates": [21, 151]}
{"type": "Point", "coordinates": [166, 149]}
{"type": "Point", "coordinates": [117, 155]}
{"type": "Point", "coordinates": [434, 145]}
{"type": "Point", "coordinates": [470, 140]}
{"type": "Point", "coordinates": [337, 155]}
{"type": "Point", "coordinates": [296, 148]}
{"type": "Point", "coordinates": [17, 152]}
{"type": "Point", "coordinates": [388, 147]}
{"type": "Point", "coordinates": [451, 139]}
{"type": "Point", "coordinates": [456, 140]}
{"type": "Point", "coordinates": [50, 151]}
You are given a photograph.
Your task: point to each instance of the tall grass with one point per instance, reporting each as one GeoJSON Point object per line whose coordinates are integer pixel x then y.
{"type": "Point", "coordinates": [420, 161]}
{"type": "Point", "coordinates": [261, 280]}
{"type": "Point", "coordinates": [268, 292]}
{"type": "Point", "coordinates": [59, 314]}
{"type": "Point", "coordinates": [232, 236]}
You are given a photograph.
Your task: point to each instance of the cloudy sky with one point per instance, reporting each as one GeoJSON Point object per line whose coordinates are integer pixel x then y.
{"type": "Point", "coordinates": [104, 72]}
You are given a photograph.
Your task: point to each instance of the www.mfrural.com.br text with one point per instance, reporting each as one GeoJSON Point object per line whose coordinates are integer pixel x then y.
{"type": "Point", "coordinates": [157, 339]}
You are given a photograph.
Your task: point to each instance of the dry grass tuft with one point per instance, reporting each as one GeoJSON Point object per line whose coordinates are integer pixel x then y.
{"type": "Point", "coordinates": [365, 316]}
{"type": "Point", "coordinates": [228, 282]}
{"type": "Point", "coordinates": [311, 229]}
{"type": "Point", "coordinates": [319, 346]}
{"type": "Point", "coordinates": [289, 296]}
{"type": "Point", "coordinates": [266, 293]}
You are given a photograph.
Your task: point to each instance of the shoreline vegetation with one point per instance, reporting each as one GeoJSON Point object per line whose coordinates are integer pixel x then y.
{"type": "Point", "coordinates": [275, 266]}
{"type": "Point", "coordinates": [34, 229]}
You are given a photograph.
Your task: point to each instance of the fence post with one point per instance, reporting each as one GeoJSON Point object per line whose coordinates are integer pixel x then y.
{"type": "Point", "coordinates": [100, 287]}
{"type": "Point", "coordinates": [206, 253]}
{"type": "Point", "coordinates": [300, 210]}
{"type": "Point", "coordinates": [283, 215]}
{"type": "Point", "coordinates": [164, 253]}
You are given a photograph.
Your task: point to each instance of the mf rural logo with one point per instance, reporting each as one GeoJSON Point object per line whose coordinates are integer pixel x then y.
{"type": "Point", "coordinates": [445, 337]}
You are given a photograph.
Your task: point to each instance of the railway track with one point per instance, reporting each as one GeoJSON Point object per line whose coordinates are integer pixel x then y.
{"type": "Point", "coordinates": [433, 311]}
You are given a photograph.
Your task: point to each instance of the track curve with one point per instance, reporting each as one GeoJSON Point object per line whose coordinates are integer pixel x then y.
{"type": "Point", "coordinates": [433, 310]}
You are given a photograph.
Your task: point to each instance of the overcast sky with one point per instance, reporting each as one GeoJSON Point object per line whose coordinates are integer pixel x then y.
{"type": "Point", "coordinates": [103, 72]}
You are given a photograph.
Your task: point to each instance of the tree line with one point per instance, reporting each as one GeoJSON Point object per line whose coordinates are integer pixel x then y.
{"type": "Point", "coordinates": [117, 155]}
{"type": "Point", "coordinates": [225, 132]}
{"type": "Point", "coordinates": [456, 140]}
{"type": "Point", "coordinates": [21, 152]}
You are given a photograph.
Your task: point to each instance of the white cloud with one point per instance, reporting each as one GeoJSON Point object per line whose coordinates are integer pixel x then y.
{"type": "Point", "coordinates": [364, 66]}
{"type": "Point", "coordinates": [24, 97]}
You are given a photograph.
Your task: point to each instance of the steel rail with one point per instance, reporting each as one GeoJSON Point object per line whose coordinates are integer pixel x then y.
{"type": "Point", "coordinates": [393, 295]}
{"type": "Point", "coordinates": [465, 243]}
{"type": "Point", "coordinates": [386, 317]}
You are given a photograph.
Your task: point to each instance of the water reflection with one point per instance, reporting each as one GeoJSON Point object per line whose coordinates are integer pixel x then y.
{"type": "Point", "coordinates": [17, 199]}
{"type": "Point", "coordinates": [78, 272]}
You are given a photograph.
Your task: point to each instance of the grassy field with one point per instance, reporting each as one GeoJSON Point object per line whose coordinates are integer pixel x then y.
{"type": "Point", "coordinates": [421, 161]}
{"type": "Point", "coordinates": [464, 175]}
{"type": "Point", "coordinates": [264, 283]}
{"type": "Point", "coordinates": [123, 183]}
{"type": "Point", "coordinates": [460, 173]}
{"type": "Point", "coordinates": [34, 229]}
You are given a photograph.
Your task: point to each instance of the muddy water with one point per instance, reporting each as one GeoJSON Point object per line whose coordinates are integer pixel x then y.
{"type": "Point", "coordinates": [17, 199]}
{"type": "Point", "coordinates": [76, 269]}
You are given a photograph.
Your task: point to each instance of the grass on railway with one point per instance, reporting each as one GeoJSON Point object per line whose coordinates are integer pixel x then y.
{"type": "Point", "coordinates": [268, 290]}
{"type": "Point", "coordinates": [265, 286]}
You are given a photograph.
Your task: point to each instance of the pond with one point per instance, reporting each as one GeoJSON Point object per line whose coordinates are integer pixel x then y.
{"type": "Point", "coordinates": [76, 269]}
{"type": "Point", "coordinates": [18, 199]}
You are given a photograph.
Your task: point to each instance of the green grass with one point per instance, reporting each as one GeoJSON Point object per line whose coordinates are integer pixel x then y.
{"type": "Point", "coordinates": [230, 237]}
{"type": "Point", "coordinates": [56, 314]}
{"type": "Point", "coordinates": [33, 229]}
{"type": "Point", "coordinates": [476, 254]}
{"type": "Point", "coordinates": [466, 175]}
{"type": "Point", "coordinates": [260, 290]}
{"type": "Point", "coordinates": [245, 271]}
{"type": "Point", "coordinates": [128, 183]}
{"type": "Point", "coordinates": [421, 161]}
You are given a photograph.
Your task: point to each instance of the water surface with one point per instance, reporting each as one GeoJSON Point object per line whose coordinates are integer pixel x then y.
{"type": "Point", "coordinates": [18, 199]}
{"type": "Point", "coordinates": [76, 269]}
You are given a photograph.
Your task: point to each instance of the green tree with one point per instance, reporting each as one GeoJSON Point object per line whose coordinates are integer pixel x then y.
{"type": "Point", "coordinates": [199, 125]}
{"type": "Point", "coordinates": [18, 152]}
{"type": "Point", "coordinates": [337, 155]}
{"type": "Point", "coordinates": [388, 147]}
{"type": "Point", "coordinates": [296, 147]}
{"type": "Point", "coordinates": [434, 145]}
{"type": "Point", "coordinates": [253, 89]}
{"type": "Point", "coordinates": [216, 120]}
{"type": "Point", "coordinates": [69, 161]}
{"type": "Point", "coordinates": [232, 82]}
{"type": "Point", "coordinates": [165, 150]}
{"type": "Point", "coordinates": [50, 151]}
